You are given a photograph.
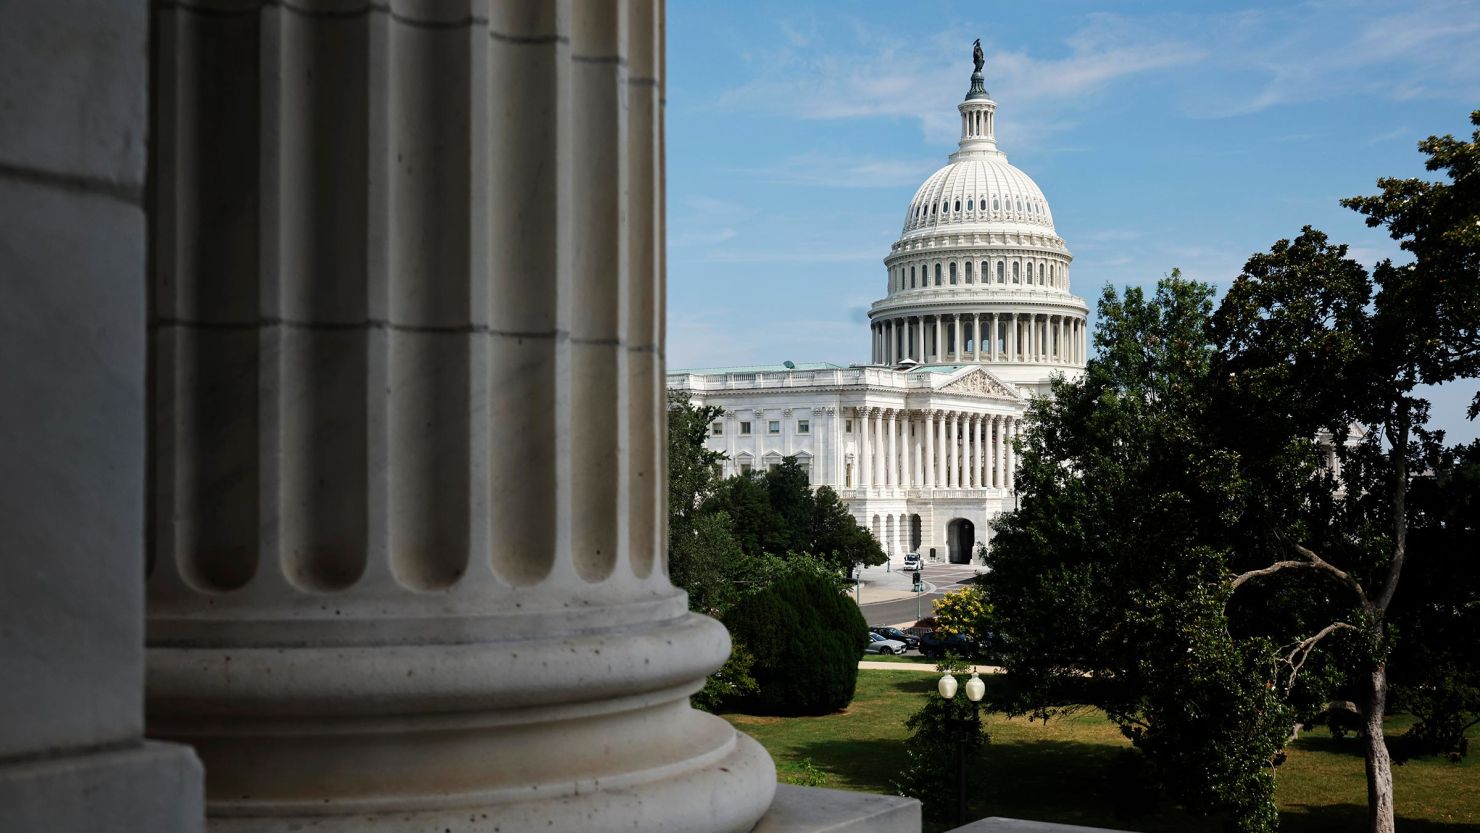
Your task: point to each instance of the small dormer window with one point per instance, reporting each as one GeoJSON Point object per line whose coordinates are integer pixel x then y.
{"type": "Point", "coordinates": [996, 205]}
{"type": "Point", "coordinates": [968, 203]}
{"type": "Point", "coordinates": [958, 205]}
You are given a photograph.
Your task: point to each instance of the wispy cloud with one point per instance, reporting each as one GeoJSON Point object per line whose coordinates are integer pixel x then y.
{"type": "Point", "coordinates": [830, 170]}
{"type": "Point", "coordinates": [860, 71]}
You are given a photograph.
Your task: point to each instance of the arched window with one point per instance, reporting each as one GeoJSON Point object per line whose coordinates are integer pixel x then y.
{"type": "Point", "coordinates": [945, 207]}
{"type": "Point", "coordinates": [968, 203]}
{"type": "Point", "coordinates": [1041, 274]}
{"type": "Point", "coordinates": [1020, 205]}
{"type": "Point", "coordinates": [1016, 271]}
{"type": "Point", "coordinates": [912, 277]}
{"type": "Point", "coordinates": [937, 274]}
{"type": "Point", "coordinates": [968, 271]}
{"type": "Point", "coordinates": [1001, 273]}
{"type": "Point", "coordinates": [996, 206]}
{"type": "Point", "coordinates": [958, 205]}
{"type": "Point", "coordinates": [953, 273]}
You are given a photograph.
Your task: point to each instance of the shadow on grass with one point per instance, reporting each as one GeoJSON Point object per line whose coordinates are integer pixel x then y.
{"type": "Point", "coordinates": [1328, 818]}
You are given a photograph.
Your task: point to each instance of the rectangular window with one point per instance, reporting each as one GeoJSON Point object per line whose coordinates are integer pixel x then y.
{"type": "Point", "coordinates": [804, 426]}
{"type": "Point", "coordinates": [848, 425]}
{"type": "Point", "coordinates": [744, 469]}
{"type": "Point", "coordinates": [744, 428]}
{"type": "Point", "coordinates": [717, 428]}
{"type": "Point", "coordinates": [773, 426]}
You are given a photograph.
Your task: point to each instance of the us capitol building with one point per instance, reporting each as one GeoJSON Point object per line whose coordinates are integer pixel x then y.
{"type": "Point", "coordinates": [977, 317]}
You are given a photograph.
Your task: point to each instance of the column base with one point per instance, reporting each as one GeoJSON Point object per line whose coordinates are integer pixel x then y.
{"type": "Point", "coordinates": [152, 786]}
{"type": "Point", "coordinates": [719, 798]}
{"type": "Point", "coordinates": [812, 810]}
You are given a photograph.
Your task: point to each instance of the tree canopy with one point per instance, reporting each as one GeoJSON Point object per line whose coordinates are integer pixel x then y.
{"type": "Point", "coordinates": [1216, 518]}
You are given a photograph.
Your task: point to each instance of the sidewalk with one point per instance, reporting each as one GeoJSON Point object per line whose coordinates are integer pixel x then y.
{"type": "Point", "coordinates": [920, 667]}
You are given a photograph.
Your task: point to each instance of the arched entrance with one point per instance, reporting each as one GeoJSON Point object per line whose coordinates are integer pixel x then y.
{"type": "Point", "coordinates": [961, 540]}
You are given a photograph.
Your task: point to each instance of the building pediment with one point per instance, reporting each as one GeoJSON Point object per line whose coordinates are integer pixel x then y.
{"type": "Point", "coordinates": [978, 381]}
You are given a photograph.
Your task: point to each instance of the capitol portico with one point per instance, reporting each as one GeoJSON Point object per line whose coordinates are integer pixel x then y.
{"type": "Point", "coordinates": [977, 318]}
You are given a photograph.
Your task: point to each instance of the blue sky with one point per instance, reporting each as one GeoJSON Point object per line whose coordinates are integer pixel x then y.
{"type": "Point", "coordinates": [1164, 135]}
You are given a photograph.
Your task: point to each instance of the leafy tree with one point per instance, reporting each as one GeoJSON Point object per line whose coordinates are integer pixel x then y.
{"type": "Point", "coordinates": [1115, 563]}
{"type": "Point", "coordinates": [837, 538]}
{"type": "Point", "coordinates": [1216, 519]}
{"type": "Point", "coordinates": [967, 612]}
{"type": "Point", "coordinates": [807, 638]}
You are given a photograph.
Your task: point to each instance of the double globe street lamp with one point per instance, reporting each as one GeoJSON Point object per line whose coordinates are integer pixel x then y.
{"type": "Point", "coordinates": [964, 728]}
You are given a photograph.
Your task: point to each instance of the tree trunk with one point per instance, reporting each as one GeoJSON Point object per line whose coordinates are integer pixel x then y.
{"type": "Point", "coordinates": [1379, 765]}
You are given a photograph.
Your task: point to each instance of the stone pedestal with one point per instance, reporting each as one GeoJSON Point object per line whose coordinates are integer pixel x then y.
{"type": "Point", "coordinates": [407, 487]}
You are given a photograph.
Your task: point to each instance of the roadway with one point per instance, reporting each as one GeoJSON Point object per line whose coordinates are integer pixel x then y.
{"type": "Point", "coordinates": [945, 578]}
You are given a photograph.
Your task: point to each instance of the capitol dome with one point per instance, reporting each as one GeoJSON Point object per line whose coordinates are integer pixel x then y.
{"type": "Point", "coordinates": [979, 275]}
{"type": "Point", "coordinates": [977, 192]}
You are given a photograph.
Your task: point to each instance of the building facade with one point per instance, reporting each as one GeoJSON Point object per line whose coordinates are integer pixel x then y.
{"type": "Point", "coordinates": [977, 318]}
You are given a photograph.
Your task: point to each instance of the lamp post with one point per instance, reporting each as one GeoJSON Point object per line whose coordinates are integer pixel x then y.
{"type": "Point", "coordinates": [975, 688]}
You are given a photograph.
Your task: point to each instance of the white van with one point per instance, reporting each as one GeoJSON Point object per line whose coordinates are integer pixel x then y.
{"type": "Point", "coordinates": [912, 561]}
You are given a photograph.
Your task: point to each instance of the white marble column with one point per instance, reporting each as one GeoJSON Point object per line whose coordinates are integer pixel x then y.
{"type": "Point", "coordinates": [891, 469]}
{"type": "Point", "coordinates": [929, 458]}
{"type": "Point", "coordinates": [993, 343]}
{"type": "Point", "coordinates": [971, 454]}
{"type": "Point", "coordinates": [1012, 433]}
{"type": "Point", "coordinates": [998, 427]}
{"type": "Point", "coordinates": [976, 336]}
{"type": "Point", "coordinates": [952, 450]}
{"type": "Point", "coordinates": [906, 475]}
{"type": "Point", "coordinates": [978, 436]}
{"type": "Point", "coordinates": [865, 448]}
{"type": "Point", "coordinates": [407, 485]}
{"type": "Point", "coordinates": [988, 452]}
{"type": "Point", "coordinates": [939, 339]}
{"type": "Point", "coordinates": [956, 334]}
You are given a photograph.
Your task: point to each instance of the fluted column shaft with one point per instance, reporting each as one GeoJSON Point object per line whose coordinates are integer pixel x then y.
{"type": "Point", "coordinates": [892, 467]}
{"type": "Point", "coordinates": [953, 423]}
{"type": "Point", "coordinates": [865, 449]}
{"type": "Point", "coordinates": [930, 449]}
{"type": "Point", "coordinates": [1001, 474]}
{"type": "Point", "coordinates": [956, 334]}
{"type": "Point", "coordinates": [408, 476]}
{"type": "Point", "coordinates": [906, 472]}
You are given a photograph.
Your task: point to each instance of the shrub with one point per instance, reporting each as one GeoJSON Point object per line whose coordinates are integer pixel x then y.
{"type": "Point", "coordinates": [807, 639]}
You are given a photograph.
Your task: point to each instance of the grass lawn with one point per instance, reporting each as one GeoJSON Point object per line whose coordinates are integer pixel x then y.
{"type": "Point", "coordinates": [1061, 772]}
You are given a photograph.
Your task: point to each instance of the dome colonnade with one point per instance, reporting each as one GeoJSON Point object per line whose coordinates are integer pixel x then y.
{"type": "Point", "coordinates": [979, 274]}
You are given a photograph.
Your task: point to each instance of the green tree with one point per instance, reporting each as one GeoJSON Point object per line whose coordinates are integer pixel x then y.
{"type": "Point", "coordinates": [1115, 564]}
{"type": "Point", "coordinates": [1215, 521]}
{"type": "Point", "coordinates": [836, 538]}
{"type": "Point", "coordinates": [807, 638]}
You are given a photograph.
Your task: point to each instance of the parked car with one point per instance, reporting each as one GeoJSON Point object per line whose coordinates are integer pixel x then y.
{"type": "Point", "coordinates": [912, 561]}
{"type": "Point", "coordinates": [881, 645]}
{"type": "Point", "coordinates": [937, 644]}
{"type": "Point", "coordinates": [897, 635]}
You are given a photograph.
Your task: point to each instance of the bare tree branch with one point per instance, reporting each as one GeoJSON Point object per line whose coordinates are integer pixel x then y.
{"type": "Point", "coordinates": [1311, 562]}
{"type": "Point", "coordinates": [1297, 657]}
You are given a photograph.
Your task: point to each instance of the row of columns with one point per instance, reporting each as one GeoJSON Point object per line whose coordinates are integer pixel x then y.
{"type": "Point", "coordinates": [935, 449]}
{"type": "Point", "coordinates": [995, 337]}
